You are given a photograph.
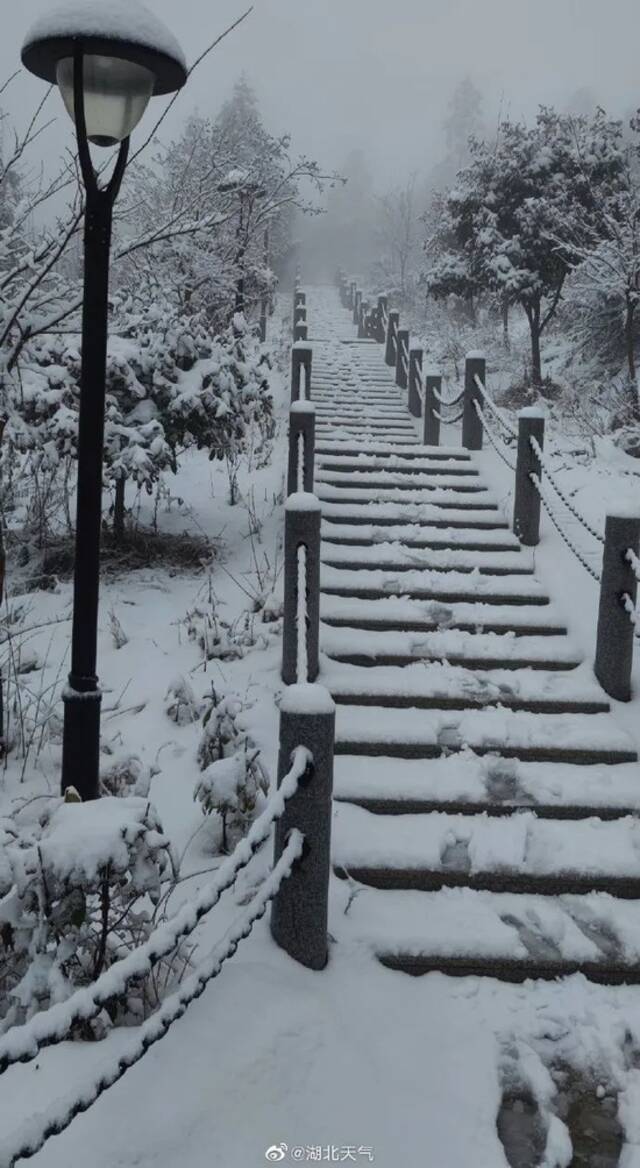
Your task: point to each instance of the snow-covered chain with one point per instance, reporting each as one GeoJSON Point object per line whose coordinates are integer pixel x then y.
{"type": "Point", "coordinates": [22, 1043]}
{"type": "Point", "coordinates": [443, 400]}
{"type": "Point", "coordinates": [535, 479]}
{"type": "Point", "coordinates": [537, 450]}
{"type": "Point", "coordinates": [494, 409]}
{"type": "Point", "coordinates": [633, 614]}
{"type": "Point", "coordinates": [35, 1132]}
{"type": "Point", "coordinates": [303, 655]}
{"type": "Point", "coordinates": [493, 438]}
{"type": "Point", "coordinates": [447, 421]}
{"type": "Point", "coordinates": [635, 563]}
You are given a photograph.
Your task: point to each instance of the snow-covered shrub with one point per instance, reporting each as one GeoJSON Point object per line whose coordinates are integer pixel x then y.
{"type": "Point", "coordinates": [125, 775]}
{"type": "Point", "coordinates": [182, 705]}
{"type": "Point", "coordinates": [78, 895]}
{"type": "Point", "coordinates": [234, 781]}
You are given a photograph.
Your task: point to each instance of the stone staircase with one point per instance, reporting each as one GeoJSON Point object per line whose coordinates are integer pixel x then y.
{"type": "Point", "coordinates": [486, 798]}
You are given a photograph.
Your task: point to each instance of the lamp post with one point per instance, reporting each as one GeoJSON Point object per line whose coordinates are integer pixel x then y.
{"type": "Point", "coordinates": [238, 182]}
{"type": "Point", "coordinates": [108, 61]}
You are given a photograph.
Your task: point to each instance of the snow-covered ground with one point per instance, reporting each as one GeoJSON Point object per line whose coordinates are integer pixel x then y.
{"type": "Point", "coordinates": [363, 1063]}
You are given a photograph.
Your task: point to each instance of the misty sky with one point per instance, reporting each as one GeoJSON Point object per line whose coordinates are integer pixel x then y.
{"type": "Point", "coordinates": [379, 73]}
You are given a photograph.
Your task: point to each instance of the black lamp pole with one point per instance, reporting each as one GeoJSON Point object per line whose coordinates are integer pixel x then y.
{"type": "Point", "coordinates": [82, 697]}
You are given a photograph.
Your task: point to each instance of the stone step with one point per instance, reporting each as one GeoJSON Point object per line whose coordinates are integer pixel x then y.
{"type": "Point", "coordinates": [397, 466]}
{"type": "Point", "coordinates": [405, 616]}
{"type": "Point", "coordinates": [464, 783]}
{"type": "Point", "coordinates": [418, 536]}
{"type": "Point", "coordinates": [520, 854]}
{"type": "Point", "coordinates": [439, 685]}
{"type": "Point", "coordinates": [418, 450]}
{"type": "Point", "coordinates": [449, 587]}
{"type": "Point", "coordinates": [476, 498]}
{"type": "Point", "coordinates": [581, 738]}
{"type": "Point", "coordinates": [398, 557]}
{"type": "Point", "coordinates": [464, 933]}
{"type": "Point", "coordinates": [420, 515]}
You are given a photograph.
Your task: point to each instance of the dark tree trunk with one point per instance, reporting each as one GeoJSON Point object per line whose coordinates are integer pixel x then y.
{"type": "Point", "coordinates": [629, 329]}
{"type": "Point", "coordinates": [118, 511]}
{"type": "Point", "coordinates": [533, 316]}
{"type": "Point", "coordinates": [505, 324]}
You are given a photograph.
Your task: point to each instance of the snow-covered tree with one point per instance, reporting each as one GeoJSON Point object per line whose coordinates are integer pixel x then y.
{"type": "Point", "coordinates": [505, 206]}
{"type": "Point", "coordinates": [397, 239]}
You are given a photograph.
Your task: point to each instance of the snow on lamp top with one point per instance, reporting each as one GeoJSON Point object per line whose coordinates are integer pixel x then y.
{"type": "Point", "coordinates": [122, 29]}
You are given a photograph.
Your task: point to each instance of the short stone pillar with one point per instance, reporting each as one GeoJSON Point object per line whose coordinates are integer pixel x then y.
{"type": "Point", "coordinates": [526, 504]}
{"type": "Point", "coordinates": [431, 412]}
{"type": "Point", "coordinates": [300, 314]}
{"type": "Point", "coordinates": [352, 295]}
{"type": "Point", "coordinates": [302, 425]}
{"type": "Point", "coordinates": [301, 355]}
{"type": "Point", "coordinates": [362, 319]}
{"type": "Point", "coordinates": [391, 338]}
{"type": "Point", "coordinates": [300, 332]}
{"type": "Point", "coordinates": [402, 359]}
{"type": "Point", "coordinates": [299, 300]}
{"type": "Point", "coordinates": [475, 366]}
{"type": "Point", "coordinates": [415, 380]}
{"type": "Point", "coordinates": [614, 643]}
{"type": "Point", "coordinates": [302, 517]}
{"type": "Point", "coordinates": [356, 306]}
{"type": "Point", "coordinates": [300, 910]}
{"type": "Point", "coordinates": [382, 310]}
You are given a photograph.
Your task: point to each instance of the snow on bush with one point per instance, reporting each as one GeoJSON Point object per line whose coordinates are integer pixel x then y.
{"type": "Point", "coordinates": [77, 895]}
{"type": "Point", "coordinates": [234, 781]}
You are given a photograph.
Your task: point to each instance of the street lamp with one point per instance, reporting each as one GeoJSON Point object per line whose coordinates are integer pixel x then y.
{"type": "Point", "coordinates": [108, 60]}
{"type": "Point", "coordinates": [238, 182]}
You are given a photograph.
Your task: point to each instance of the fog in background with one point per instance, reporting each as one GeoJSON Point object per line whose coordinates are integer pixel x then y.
{"type": "Point", "coordinates": [378, 74]}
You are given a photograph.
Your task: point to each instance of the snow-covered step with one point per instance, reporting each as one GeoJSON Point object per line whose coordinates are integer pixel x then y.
{"type": "Point", "coordinates": [407, 615]}
{"type": "Point", "coordinates": [465, 783]}
{"type": "Point", "coordinates": [412, 449]}
{"type": "Point", "coordinates": [391, 556]}
{"type": "Point", "coordinates": [424, 585]}
{"type": "Point", "coordinates": [375, 649]}
{"type": "Point", "coordinates": [414, 535]}
{"type": "Point", "coordinates": [582, 738]}
{"type": "Point", "coordinates": [393, 514]}
{"type": "Point", "coordinates": [440, 685]}
{"type": "Point", "coordinates": [461, 932]}
{"type": "Point", "coordinates": [390, 463]}
{"type": "Point", "coordinates": [399, 481]}
{"type": "Point", "coordinates": [520, 853]}
{"type": "Point", "coordinates": [477, 497]}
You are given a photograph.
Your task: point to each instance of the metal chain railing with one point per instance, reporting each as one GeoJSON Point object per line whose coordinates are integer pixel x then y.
{"type": "Point", "coordinates": [493, 438]}
{"type": "Point", "coordinates": [493, 409]}
{"type": "Point", "coordinates": [447, 421]}
{"type": "Point", "coordinates": [38, 1129]}
{"type": "Point", "coordinates": [22, 1043]}
{"type": "Point", "coordinates": [549, 475]}
{"type": "Point", "coordinates": [448, 401]}
{"type": "Point", "coordinates": [535, 479]}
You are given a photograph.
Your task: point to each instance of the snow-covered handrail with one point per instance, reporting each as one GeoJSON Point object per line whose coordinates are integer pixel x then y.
{"type": "Point", "coordinates": [537, 450]}
{"type": "Point", "coordinates": [494, 440]}
{"type": "Point", "coordinates": [488, 401]}
{"type": "Point", "coordinates": [22, 1043]}
{"type": "Point", "coordinates": [535, 479]}
{"type": "Point", "coordinates": [35, 1131]}
{"type": "Point", "coordinates": [303, 652]}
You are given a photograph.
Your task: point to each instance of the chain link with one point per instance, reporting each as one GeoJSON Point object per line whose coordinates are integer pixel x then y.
{"type": "Point", "coordinates": [493, 439]}
{"type": "Point", "coordinates": [537, 450]}
{"type": "Point", "coordinates": [547, 506]}
{"type": "Point", "coordinates": [494, 410]}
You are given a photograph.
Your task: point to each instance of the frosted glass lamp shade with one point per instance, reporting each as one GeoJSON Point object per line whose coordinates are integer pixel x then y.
{"type": "Point", "coordinates": [116, 94]}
